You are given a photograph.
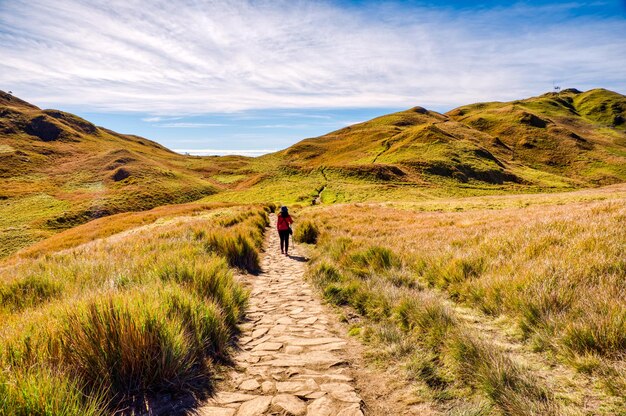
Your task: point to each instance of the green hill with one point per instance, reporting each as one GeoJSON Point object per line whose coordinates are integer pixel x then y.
{"type": "Point", "coordinates": [551, 142]}
{"type": "Point", "coordinates": [58, 170]}
{"type": "Point", "coordinates": [581, 136]}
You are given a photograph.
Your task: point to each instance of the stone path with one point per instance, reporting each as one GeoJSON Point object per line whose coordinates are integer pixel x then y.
{"type": "Point", "coordinates": [292, 362]}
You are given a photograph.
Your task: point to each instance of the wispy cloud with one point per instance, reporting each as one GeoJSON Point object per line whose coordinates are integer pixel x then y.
{"type": "Point", "coordinates": [194, 57]}
{"type": "Point", "coordinates": [182, 125]}
{"type": "Point", "coordinates": [225, 152]}
{"type": "Point", "coordinates": [158, 119]}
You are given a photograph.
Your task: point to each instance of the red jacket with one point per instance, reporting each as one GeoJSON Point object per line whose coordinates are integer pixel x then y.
{"type": "Point", "coordinates": [283, 222]}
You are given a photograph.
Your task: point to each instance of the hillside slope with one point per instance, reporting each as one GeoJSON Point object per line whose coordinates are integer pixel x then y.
{"type": "Point", "coordinates": [58, 170]}
{"type": "Point", "coordinates": [554, 141]}
{"type": "Point", "coordinates": [573, 134]}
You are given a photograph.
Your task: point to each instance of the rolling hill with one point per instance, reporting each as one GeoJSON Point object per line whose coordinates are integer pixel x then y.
{"type": "Point", "coordinates": [59, 170]}
{"type": "Point", "coordinates": [554, 141]}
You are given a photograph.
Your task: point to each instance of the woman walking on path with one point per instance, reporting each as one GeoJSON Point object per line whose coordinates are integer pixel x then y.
{"type": "Point", "coordinates": [283, 224]}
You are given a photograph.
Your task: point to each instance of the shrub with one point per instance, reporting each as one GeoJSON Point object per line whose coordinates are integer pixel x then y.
{"type": "Point", "coordinates": [373, 260]}
{"type": "Point", "coordinates": [508, 386]}
{"type": "Point", "coordinates": [307, 232]}
{"type": "Point", "coordinates": [203, 322]}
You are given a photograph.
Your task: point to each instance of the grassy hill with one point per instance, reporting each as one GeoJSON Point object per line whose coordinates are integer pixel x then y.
{"type": "Point", "coordinates": [59, 171]}
{"type": "Point", "coordinates": [551, 142]}
{"type": "Point", "coordinates": [581, 136]}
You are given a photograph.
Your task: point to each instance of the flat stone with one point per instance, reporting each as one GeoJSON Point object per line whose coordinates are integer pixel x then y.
{"type": "Point", "coordinates": [329, 387]}
{"type": "Point", "coordinates": [320, 407]}
{"type": "Point", "coordinates": [267, 387]}
{"type": "Point", "coordinates": [226, 397]}
{"type": "Point", "coordinates": [296, 311]}
{"type": "Point", "coordinates": [260, 340]}
{"type": "Point", "coordinates": [303, 342]}
{"type": "Point", "coordinates": [328, 378]}
{"type": "Point", "coordinates": [334, 346]}
{"type": "Point", "coordinates": [284, 362]}
{"type": "Point", "coordinates": [215, 411]}
{"type": "Point", "coordinates": [259, 332]}
{"type": "Point", "coordinates": [290, 386]}
{"type": "Point", "coordinates": [289, 404]}
{"type": "Point", "coordinates": [292, 349]}
{"type": "Point", "coordinates": [255, 407]}
{"type": "Point", "coordinates": [320, 359]}
{"type": "Point", "coordinates": [249, 385]}
{"type": "Point", "coordinates": [278, 329]}
{"type": "Point", "coordinates": [345, 396]}
{"type": "Point", "coordinates": [354, 410]}
{"type": "Point", "coordinates": [268, 346]}
{"type": "Point", "coordinates": [316, 395]}
{"type": "Point", "coordinates": [285, 320]}
{"type": "Point", "coordinates": [308, 321]}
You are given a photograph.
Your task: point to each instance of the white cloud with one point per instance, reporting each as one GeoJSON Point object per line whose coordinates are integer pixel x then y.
{"type": "Point", "coordinates": [193, 57]}
{"type": "Point", "coordinates": [158, 119]}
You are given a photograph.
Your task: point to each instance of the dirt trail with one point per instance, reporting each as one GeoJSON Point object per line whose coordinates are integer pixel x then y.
{"type": "Point", "coordinates": [292, 361]}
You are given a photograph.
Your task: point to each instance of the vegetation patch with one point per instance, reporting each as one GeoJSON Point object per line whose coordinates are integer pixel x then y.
{"type": "Point", "coordinates": [111, 326]}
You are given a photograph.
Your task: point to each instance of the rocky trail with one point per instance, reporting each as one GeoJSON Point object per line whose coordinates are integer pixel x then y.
{"type": "Point", "coordinates": [292, 362]}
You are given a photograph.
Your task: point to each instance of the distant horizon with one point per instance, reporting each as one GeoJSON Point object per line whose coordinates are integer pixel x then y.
{"type": "Point", "coordinates": [251, 76]}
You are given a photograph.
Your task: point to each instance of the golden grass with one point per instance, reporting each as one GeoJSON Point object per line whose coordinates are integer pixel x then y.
{"type": "Point", "coordinates": [555, 270]}
{"type": "Point", "coordinates": [114, 323]}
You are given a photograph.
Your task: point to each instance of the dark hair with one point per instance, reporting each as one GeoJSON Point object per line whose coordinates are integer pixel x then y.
{"type": "Point", "coordinates": [284, 212]}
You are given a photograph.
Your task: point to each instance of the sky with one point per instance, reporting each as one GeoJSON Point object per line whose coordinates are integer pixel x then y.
{"type": "Point", "coordinates": [251, 77]}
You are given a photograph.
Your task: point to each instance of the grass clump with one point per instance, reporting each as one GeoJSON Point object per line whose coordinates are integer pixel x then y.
{"type": "Point", "coordinates": [211, 280]}
{"type": "Point", "coordinates": [307, 232]}
{"type": "Point", "coordinates": [27, 292]}
{"type": "Point", "coordinates": [46, 393]}
{"type": "Point", "coordinates": [238, 250]}
{"type": "Point", "coordinates": [128, 347]}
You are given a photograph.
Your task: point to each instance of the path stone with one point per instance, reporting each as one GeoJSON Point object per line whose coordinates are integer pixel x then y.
{"type": "Point", "coordinates": [289, 404]}
{"type": "Point", "coordinates": [320, 407]}
{"type": "Point", "coordinates": [291, 359]}
{"type": "Point", "coordinates": [255, 407]}
{"type": "Point", "coordinates": [249, 385]}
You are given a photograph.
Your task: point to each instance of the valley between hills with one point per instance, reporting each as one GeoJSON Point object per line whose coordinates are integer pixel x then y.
{"type": "Point", "coordinates": [466, 263]}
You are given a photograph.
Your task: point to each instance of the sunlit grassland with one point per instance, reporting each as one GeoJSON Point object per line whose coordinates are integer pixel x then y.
{"type": "Point", "coordinates": [104, 227]}
{"type": "Point", "coordinates": [550, 266]}
{"type": "Point", "coordinates": [114, 323]}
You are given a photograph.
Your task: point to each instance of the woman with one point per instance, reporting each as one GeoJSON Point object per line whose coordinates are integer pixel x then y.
{"type": "Point", "coordinates": [283, 224]}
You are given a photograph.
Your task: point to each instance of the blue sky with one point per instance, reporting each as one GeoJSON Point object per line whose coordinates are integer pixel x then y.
{"type": "Point", "coordinates": [248, 77]}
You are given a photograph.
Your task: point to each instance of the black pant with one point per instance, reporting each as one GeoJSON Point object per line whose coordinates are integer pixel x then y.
{"type": "Point", "coordinates": [284, 240]}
